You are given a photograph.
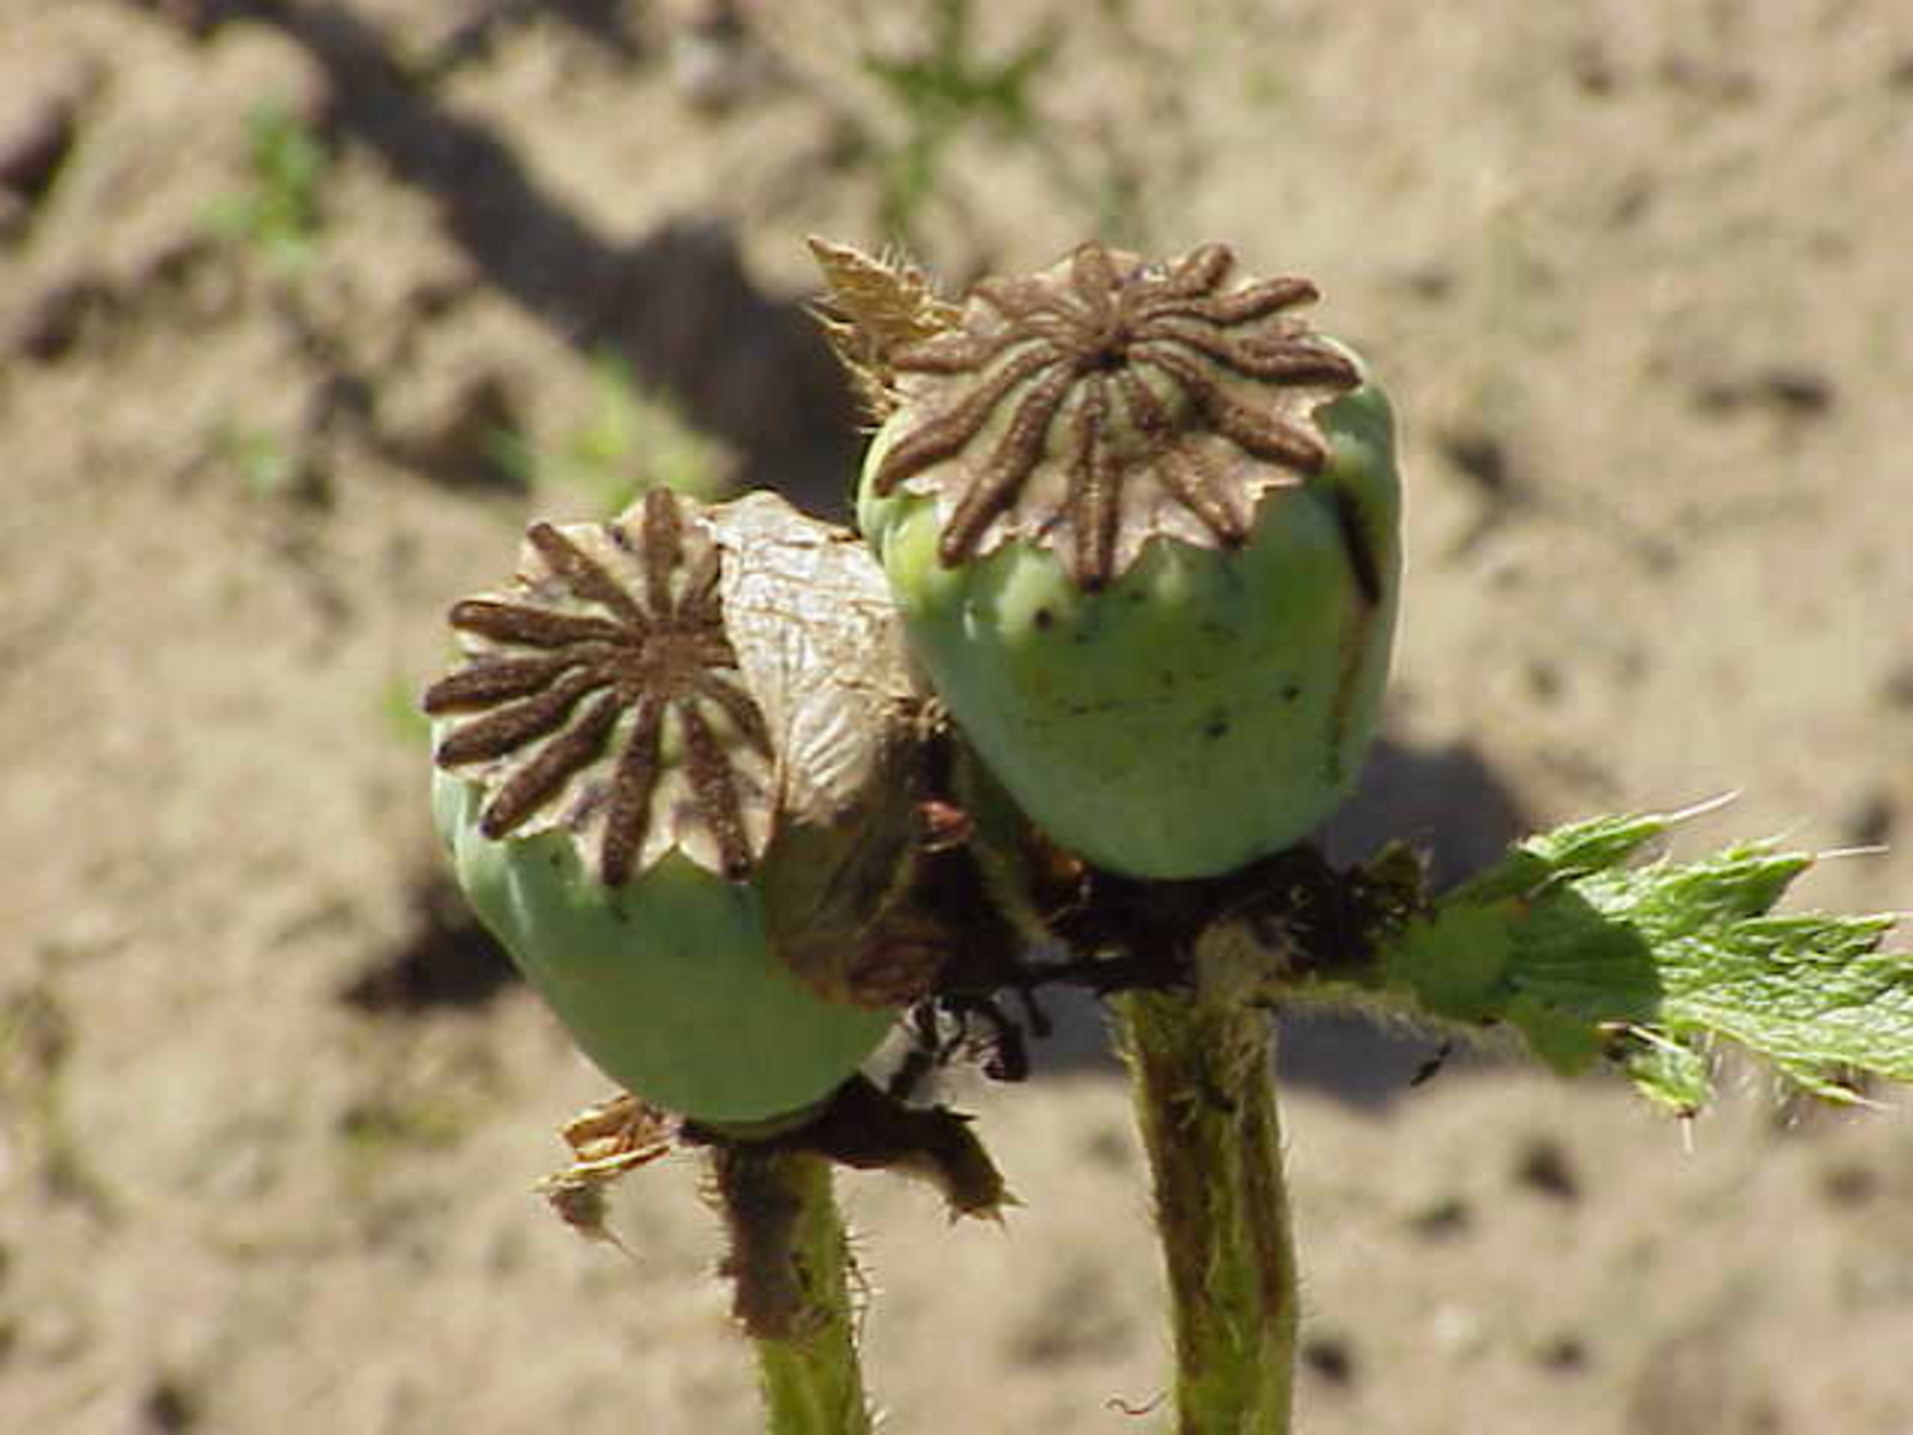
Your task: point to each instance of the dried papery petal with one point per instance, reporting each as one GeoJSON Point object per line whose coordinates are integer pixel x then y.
{"type": "Point", "coordinates": [817, 641]}
{"type": "Point", "coordinates": [1106, 402]}
{"type": "Point", "coordinates": [820, 647]}
{"type": "Point", "coordinates": [872, 307]}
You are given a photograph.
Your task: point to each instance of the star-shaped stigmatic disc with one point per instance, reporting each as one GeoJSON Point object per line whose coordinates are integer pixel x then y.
{"type": "Point", "coordinates": [601, 696]}
{"type": "Point", "coordinates": [1106, 402]}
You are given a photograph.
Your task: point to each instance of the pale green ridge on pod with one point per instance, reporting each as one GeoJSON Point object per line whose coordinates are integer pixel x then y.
{"type": "Point", "coordinates": [1206, 706]}
{"type": "Point", "coordinates": [667, 984]}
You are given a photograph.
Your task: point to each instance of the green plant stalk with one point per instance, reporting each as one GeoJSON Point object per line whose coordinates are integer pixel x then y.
{"type": "Point", "coordinates": [1204, 1087]}
{"type": "Point", "coordinates": [790, 1258]}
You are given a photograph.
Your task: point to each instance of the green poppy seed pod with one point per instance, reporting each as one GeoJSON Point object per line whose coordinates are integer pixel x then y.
{"type": "Point", "coordinates": [1141, 525]}
{"type": "Point", "coordinates": [676, 772]}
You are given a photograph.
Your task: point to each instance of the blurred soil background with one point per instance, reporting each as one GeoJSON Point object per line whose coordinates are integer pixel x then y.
{"type": "Point", "coordinates": [305, 308]}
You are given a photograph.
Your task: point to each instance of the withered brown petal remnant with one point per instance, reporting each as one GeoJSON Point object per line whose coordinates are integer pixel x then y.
{"type": "Point", "coordinates": [605, 699]}
{"type": "Point", "coordinates": [873, 307]}
{"type": "Point", "coordinates": [1108, 401]}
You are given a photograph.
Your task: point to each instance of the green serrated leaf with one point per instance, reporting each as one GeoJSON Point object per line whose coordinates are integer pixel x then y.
{"type": "Point", "coordinates": [1575, 850]}
{"type": "Point", "coordinates": [1584, 952]}
{"type": "Point", "coordinates": [1456, 961]}
{"type": "Point", "coordinates": [1669, 1073]}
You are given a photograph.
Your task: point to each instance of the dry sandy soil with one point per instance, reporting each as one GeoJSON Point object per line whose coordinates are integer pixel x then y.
{"type": "Point", "coordinates": [1637, 274]}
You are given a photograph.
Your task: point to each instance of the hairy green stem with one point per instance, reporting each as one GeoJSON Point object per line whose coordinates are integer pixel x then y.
{"type": "Point", "coordinates": [791, 1261]}
{"type": "Point", "coordinates": [1205, 1100]}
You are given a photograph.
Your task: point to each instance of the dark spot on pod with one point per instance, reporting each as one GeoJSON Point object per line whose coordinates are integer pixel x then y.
{"type": "Point", "coordinates": [1216, 727]}
{"type": "Point", "coordinates": [1291, 691]}
{"type": "Point", "coordinates": [1044, 619]}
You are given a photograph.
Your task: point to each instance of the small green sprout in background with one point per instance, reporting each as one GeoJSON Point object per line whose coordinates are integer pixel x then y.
{"type": "Point", "coordinates": [278, 214]}
{"type": "Point", "coordinates": [36, 1049]}
{"type": "Point", "coordinates": [271, 465]}
{"type": "Point", "coordinates": [950, 92]}
{"type": "Point", "coordinates": [399, 714]}
{"type": "Point", "coordinates": [633, 440]}
{"type": "Point", "coordinates": [942, 93]}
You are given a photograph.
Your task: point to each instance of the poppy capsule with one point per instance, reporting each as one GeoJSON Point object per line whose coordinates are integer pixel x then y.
{"type": "Point", "coordinates": [676, 772]}
{"type": "Point", "coordinates": [1141, 524]}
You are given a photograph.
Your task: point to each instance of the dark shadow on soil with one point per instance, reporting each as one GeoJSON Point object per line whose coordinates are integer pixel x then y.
{"type": "Point", "coordinates": [446, 962]}
{"type": "Point", "coordinates": [606, 23]}
{"type": "Point", "coordinates": [1447, 802]}
{"type": "Point", "coordinates": [677, 303]}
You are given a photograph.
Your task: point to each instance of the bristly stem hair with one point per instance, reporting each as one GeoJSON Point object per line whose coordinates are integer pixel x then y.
{"type": "Point", "coordinates": [792, 1267]}
{"type": "Point", "coordinates": [1202, 1077]}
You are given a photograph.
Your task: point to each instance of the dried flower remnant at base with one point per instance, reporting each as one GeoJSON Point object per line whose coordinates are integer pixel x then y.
{"type": "Point", "coordinates": [675, 772]}
{"type": "Point", "coordinates": [1141, 524]}
{"type": "Point", "coordinates": [875, 308]}
{"type": "Point", "coordinates": [608, 1142]}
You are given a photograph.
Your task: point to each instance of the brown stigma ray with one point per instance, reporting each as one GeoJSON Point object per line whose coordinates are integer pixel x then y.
{"type": "Point", "coordinates": [1106, 402]}
{"type": "Point", "coordinates": [602, 697]}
